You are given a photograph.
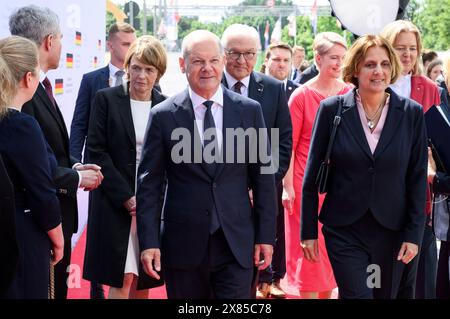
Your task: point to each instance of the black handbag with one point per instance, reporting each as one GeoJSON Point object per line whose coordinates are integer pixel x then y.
{"type": "Point", "coordinates": [322, 175]}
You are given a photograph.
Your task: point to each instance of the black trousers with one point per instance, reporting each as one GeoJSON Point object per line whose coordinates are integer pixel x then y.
{"type": "Point", "coordinates": [364, 259]}
{"type": "Point", "coordinates": [443, 272]}
{"type": "Point", "coordinates": [219, 276]}
{"type": "Point", "coordinates": [277, 269]}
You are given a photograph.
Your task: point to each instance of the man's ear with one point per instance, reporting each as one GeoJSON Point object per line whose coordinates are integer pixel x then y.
{"type": "Point", "coordinates": [48, 42]}
{"type": "Point", "coordinates": [181, 62]}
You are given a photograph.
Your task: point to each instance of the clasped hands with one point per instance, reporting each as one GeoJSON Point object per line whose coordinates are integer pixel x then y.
{"type": "Point", "coordinates": [91, 176]}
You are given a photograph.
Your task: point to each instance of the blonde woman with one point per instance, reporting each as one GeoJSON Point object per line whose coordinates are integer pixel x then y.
{"type": "Point", "coordinates": [311, 279]}
{"type": "Point", "coordinates": [30, 165]}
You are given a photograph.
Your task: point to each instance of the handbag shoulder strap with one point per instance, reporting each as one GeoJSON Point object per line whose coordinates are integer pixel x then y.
{"type": "Point", "coordinates": [336, 121]}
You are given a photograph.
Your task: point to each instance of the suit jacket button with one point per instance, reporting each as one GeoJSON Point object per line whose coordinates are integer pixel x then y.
{"type": "Point", "coordinates": [214, 185]}
{"type": "Point", "coordinates": [207, 212]}
{"type": "Point", "coordinates": [371, 170]}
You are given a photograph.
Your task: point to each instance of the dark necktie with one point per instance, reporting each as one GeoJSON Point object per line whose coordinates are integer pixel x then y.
{"type": "Point", "coordinates": [237, 87]}
{"type": "Point", "coordinates": [49, 90]}
{"type": "Point", "coordinates": [208, 123]}
{"type": "Point", "coordinates": [119, 78]}
{"type": "Point", "coordinates": [294, 74]}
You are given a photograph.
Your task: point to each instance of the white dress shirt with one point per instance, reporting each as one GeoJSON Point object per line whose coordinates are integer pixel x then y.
{"type": "Point", "coordinates": [402, 86]}
{"type": "Point", "coordinates": [216, 110]}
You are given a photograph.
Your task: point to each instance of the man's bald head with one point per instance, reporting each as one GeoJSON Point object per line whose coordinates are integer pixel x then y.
{"type": "Point", "coordinates": [196, 37]}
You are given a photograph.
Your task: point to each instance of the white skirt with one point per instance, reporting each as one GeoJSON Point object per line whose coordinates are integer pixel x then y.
{"type": "Point", "coordinates": [132, 263]}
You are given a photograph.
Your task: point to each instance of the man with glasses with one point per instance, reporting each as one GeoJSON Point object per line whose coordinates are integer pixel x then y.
{"type": "Point", "coordinates": [241, 44]}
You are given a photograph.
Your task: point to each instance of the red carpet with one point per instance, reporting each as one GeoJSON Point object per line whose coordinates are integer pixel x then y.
{"type": "Point", "coordinates": [79, 288]}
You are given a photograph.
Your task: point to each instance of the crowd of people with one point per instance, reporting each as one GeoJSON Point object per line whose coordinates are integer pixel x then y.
{"type": "Point", "coordinates": [300, 178]}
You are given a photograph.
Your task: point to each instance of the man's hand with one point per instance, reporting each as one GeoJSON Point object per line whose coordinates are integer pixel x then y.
{"type": "Point", "coordinates": [311, 249]}
{"type": "Point", "coordinates": [407, 252]}
{"type": "Point", "coordinates": [267, 252]}
{"type": "Point", "coordinates": [151, 260]}
{"type": "Point", "coordinates": [90, 179]}
{"type": "Point", "coordinates": [130, 205]}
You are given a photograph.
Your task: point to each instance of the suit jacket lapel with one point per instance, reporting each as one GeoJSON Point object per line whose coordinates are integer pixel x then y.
{"type": "Point", "coordinates": [231, 120]}
{"type": "Point", "coordinates": [104, 77]}
{"type": "Point", "coordinates": [393, 119]}
{"type": "Point", "coordinates": [184, 117]}
{"type": "Point", "coordinates": [54, 111]}
{"type": "Point", "coordinates": [417, 88]}
{"type": "Point", "coordinates": [123, 102]}
{"type": "Point", "coordinates": [255, 87]}
{"type": "Point", "coordinates": [350, 118]}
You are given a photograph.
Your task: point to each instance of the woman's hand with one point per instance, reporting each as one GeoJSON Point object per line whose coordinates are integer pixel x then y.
{"type": "Point", "coordinates": [311, 249]}
{"type": "Point", "coordinates": [57, 240]}
{"type": "Point", "coordinates": [407, 252]}
{"type": "Point", "coordinates": [288, 198]}
{"type": "Point", "coordinates": [431, 166]}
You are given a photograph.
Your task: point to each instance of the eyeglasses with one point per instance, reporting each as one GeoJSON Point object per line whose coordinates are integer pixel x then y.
{"type": "Point", "coordinates": [237, 55]}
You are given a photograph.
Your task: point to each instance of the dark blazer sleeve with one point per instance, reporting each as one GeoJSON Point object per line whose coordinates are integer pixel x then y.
{"type": "Point", "coordinates": [114, 185]}
{"type": "Point", "coordinates": [33, 162]}
{"type": "Point", "coordinates": [284, 124]}
{"type": "Point", "coordinates": [441, 183]}
{"type": "Point", "coordinates": [151, 175]}
{"type": "Point", "coordinates": [80, 120]}
{"type": "Point", "coordinates": [318, 147]}
{"type": "Point", "coordinates": [262, 179]}
{"type": "Point", "coordinates": [66, 179]}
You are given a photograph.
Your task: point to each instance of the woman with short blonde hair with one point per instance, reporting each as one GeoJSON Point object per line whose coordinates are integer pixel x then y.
{"type": "Point", "coordinates": [115, 139]}
{"type": "Point", "coordinates": [31, 166]}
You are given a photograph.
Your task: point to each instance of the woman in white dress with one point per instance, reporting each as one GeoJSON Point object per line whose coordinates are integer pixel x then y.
{"type": "Point", "coordinates": [116, 134]}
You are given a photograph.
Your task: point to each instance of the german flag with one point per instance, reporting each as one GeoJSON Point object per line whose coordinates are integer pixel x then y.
{"type": "Point", "coordinates": [59, 86]}
{"type": "Point", "coordinates": [77, 38]}
{"type": "Point", "coordinates": [69, 60]}
{"type": "Point", "coordinates": [99, 44]}
{"type": "Point", "coordinates": [95, 62]}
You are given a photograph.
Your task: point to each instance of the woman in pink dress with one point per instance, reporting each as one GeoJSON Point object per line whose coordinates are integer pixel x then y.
{"type": "Point", "coordinates": [311, 280]}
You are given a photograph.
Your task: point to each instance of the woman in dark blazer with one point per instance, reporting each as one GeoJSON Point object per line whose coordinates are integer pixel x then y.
{"type": "Point", "coordinates": [35, 232]}
{"type": "Point", "coordinates": [373, 211]}
{"type": "Point", "coordinates": [8, 244]}
{"type": "Point", "coordinates": [115, 138]}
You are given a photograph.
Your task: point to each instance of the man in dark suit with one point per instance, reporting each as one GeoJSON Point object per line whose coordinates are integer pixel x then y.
{"type": "Point", "coordinates": [278, 63]}
{"type": "Point", "coordinates": [308, 74]}
{"type": "Point", "coordinates": [241, 43]}
{"type": "Point", "coordinates": [8, 246]}
{"type": "Point", "coordinates": [120, 37]}
{"type": "Point", "coordinates": [41, 25]}
{"type": "Point", "coordinates": [211, 237]}
{"type": "Point", "coordinates": [298, 57]}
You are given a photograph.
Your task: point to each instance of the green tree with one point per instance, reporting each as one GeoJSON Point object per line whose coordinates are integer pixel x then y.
{"type": "Point", "coordinates": [110, 20]}
{"type": "Point", "coordinates": [434, 22]}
